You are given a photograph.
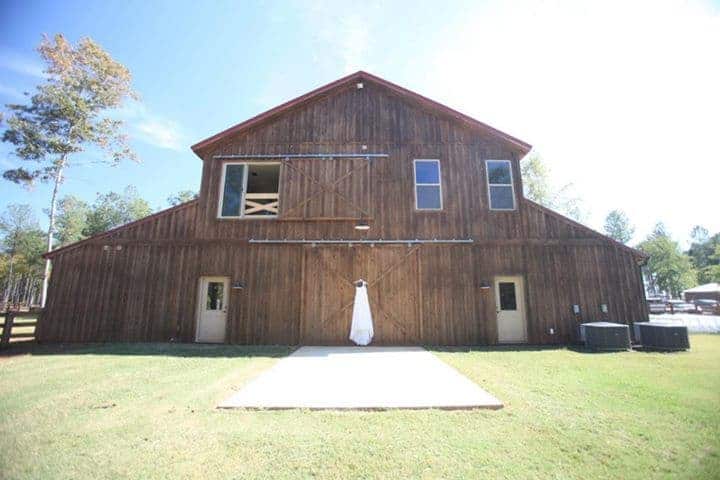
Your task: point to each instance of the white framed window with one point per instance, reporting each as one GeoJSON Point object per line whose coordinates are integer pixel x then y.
{"type": "Point", "coordinates": [249, 190]}
{"type": "Point", "coordinates": [500, 186]}
{"type": "Point", "coordinates": [428, 184]}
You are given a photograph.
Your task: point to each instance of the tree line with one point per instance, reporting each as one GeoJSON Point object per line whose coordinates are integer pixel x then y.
{"type": "Point", "coordinates": [22, 241]}
{"type": "Point", "coordinates": [670, 270]}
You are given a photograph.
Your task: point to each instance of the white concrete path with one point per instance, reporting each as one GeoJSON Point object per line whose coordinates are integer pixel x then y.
{"type": "Point", "coordinates": [361, 378]}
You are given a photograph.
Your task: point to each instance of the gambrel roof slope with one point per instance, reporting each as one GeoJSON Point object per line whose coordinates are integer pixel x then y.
{"type": "Point", "coordinates": [513, 143]}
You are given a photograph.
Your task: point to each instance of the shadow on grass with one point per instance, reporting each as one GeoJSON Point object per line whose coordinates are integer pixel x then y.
{"type": "Point", "coordinates": [237, 351]}
{"type": "Point", "coordinates": [577, 348]}
{"type": "Point", "coordinates": [144, 349]}
{"type": "Point", "coordinates": [497, 348]}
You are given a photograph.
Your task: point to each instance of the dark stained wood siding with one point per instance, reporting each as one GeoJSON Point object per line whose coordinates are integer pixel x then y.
{"type": "Point", "coordinates": [384, 123]}
{"type": "Point", "coordinates": [139, 282]}
{"type": "Point", "coordinates": [303, 295]}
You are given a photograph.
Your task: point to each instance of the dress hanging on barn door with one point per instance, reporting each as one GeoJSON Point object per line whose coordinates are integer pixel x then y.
{"type": "Point", "coordinates": [361, 330]}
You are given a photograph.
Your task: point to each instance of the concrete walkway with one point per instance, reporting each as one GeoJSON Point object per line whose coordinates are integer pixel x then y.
{"type": "Point", "coordinates": [361, 378]}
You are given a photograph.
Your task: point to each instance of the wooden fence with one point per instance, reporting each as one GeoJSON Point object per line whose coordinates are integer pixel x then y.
{"type": "Point", "coordinates": [13, 319]}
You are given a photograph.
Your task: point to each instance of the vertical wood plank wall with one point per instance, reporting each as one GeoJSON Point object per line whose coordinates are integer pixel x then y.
{"type": "Point", "coordinates": [433, 294]}
{"type": "Point", "coordinates": [139, 282]}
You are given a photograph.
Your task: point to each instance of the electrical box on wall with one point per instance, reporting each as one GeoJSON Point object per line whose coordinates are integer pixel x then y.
{"type": "Point", "coordinates": [576, 309]}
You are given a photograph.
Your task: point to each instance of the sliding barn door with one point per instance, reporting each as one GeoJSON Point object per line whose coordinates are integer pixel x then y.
{"type": "Point", "coordinates": [329, 293]}
{"type": "Point", "coordinates": [325, 188]}
{"type": "Point", "coordinates": [394, 294]}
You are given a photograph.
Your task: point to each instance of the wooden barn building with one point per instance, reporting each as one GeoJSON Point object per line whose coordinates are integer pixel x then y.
{"type": "Point", "coordinates": [358, 179]}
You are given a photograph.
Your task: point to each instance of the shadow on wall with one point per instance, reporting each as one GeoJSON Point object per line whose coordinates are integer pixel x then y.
{"type": "Point", "coordinates": [187, 350]}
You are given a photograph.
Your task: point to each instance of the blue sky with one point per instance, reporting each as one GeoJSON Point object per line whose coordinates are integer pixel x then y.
{"type": "Point", "coordinates": [616, 96]}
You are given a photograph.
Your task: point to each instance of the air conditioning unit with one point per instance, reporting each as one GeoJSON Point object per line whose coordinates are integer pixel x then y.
{"type": "Point", "coordinates": [605, 336]}
{"type": "Point", "coordinates": [662, 336]}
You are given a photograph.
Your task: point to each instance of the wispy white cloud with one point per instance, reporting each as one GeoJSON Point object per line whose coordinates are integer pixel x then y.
{"type": "Point", "coordinates": [161, 133]}
{"type": "Point", "coordinates": [342, 32]}
{"type": "Point", "coordinates": [351, 38]}
{"type": "Point", "coordinates": [151, 128]}
{"type": "Point", "coordinates": [21, 64]}
{"type": "Point", "coordinates": [5, 162]}
{"type": "Point", "coordinates": [10, 92]}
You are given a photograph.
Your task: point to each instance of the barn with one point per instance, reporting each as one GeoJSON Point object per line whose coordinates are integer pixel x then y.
{"type": "Point", "coordinates": [708, 291]}
{"type": "Point", "coordinates": [358, 179]}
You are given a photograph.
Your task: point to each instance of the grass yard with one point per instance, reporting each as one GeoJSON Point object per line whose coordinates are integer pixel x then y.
{"type": "Point", "coordinates": [147, 411]}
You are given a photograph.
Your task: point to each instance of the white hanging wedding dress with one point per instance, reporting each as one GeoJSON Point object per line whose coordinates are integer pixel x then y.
{"type": "Point", "coordinates": [361, 330]}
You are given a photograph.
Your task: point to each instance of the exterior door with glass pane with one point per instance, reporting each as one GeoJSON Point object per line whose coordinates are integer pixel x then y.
{"type": "Point", "coordinates": [212, 310]}
{"type": "Point", "coordinates": [510, 306]}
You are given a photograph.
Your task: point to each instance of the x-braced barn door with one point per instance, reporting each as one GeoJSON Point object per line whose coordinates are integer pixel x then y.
{"type": "Point", "coordinates": [319, 188]}
{"type": "Point", "coordinates": [328, 293]}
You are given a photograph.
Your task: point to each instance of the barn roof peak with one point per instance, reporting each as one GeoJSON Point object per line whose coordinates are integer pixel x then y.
{"type": "Point", "coordinates": [515, 143]}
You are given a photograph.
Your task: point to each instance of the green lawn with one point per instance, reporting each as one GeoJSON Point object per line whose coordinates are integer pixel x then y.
{"type": "Point", "coordinates": [147, 411]}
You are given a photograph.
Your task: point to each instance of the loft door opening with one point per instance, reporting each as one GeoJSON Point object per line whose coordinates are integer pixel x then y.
{"type": "Point", "coordinates": [249, 190]}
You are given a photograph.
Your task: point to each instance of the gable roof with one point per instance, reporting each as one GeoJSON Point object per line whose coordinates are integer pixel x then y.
{"type": "Point", "coordinates": [514, 143]}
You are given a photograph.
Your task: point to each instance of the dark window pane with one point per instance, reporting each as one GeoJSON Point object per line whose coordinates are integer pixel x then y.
{"type": "Point", "coordinates": [507, 296]}
{"type": "Point", "coordinates": [427, 172]}
{"type": "Point", "coordinates": [215, 295]}
{"type": "Point", "coordinates": [502, 198]}
{"type": "Point", "coordinates": [232, 192]}
{"type": "Point", "coordinates": [263, 178]}
{"type": "Point", "coordinates": [428, 197]}
{"type": "Point", "coordinates": [498, 173]}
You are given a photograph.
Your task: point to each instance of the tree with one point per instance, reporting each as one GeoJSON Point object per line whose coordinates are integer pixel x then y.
{"type": "Point", "coordinates": [669, 268]}
{"type": "Point", "coordinates": [19, 243]}
{"type": "Point", "coordinates": [659, 230]}
{"type": "Point", "coordinates": [711, 273]}
{"type": "Point", "coordinates": [699, 234]}
{"type": "Point", "coordinates": [181, 197]}
{"type": "Point", "coordinates": [704, 254]}
{"type": "Point", "coordinates": [538, 187]}
{"type": "Point", "coordinates": [536, 179]}
{"type": "Point", "coordinates": [617, 226]}
{"type": "Point", "coordinates": [66, 115]}
{"type": "Point", "coordinates": [72, 215]}
{"type": "Point", "coordinates": [113, 209]}
{"type": "Point", "coordinates": [27, 279]}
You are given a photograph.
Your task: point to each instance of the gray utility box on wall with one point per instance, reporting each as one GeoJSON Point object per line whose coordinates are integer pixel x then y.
{"type": "Point", "coordinates": [662, 336]}
{"type": "Point", "coordinates": [605, 336]}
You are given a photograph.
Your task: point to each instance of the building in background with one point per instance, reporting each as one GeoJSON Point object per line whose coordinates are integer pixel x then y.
{"type": "Point", "coordinates": [709, 291]}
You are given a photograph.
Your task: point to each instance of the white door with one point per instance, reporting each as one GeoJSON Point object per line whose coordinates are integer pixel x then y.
{"type": "Point", "coordinates": [212, 310]}
{"type": "Point", "coordinates": [510, 306]}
